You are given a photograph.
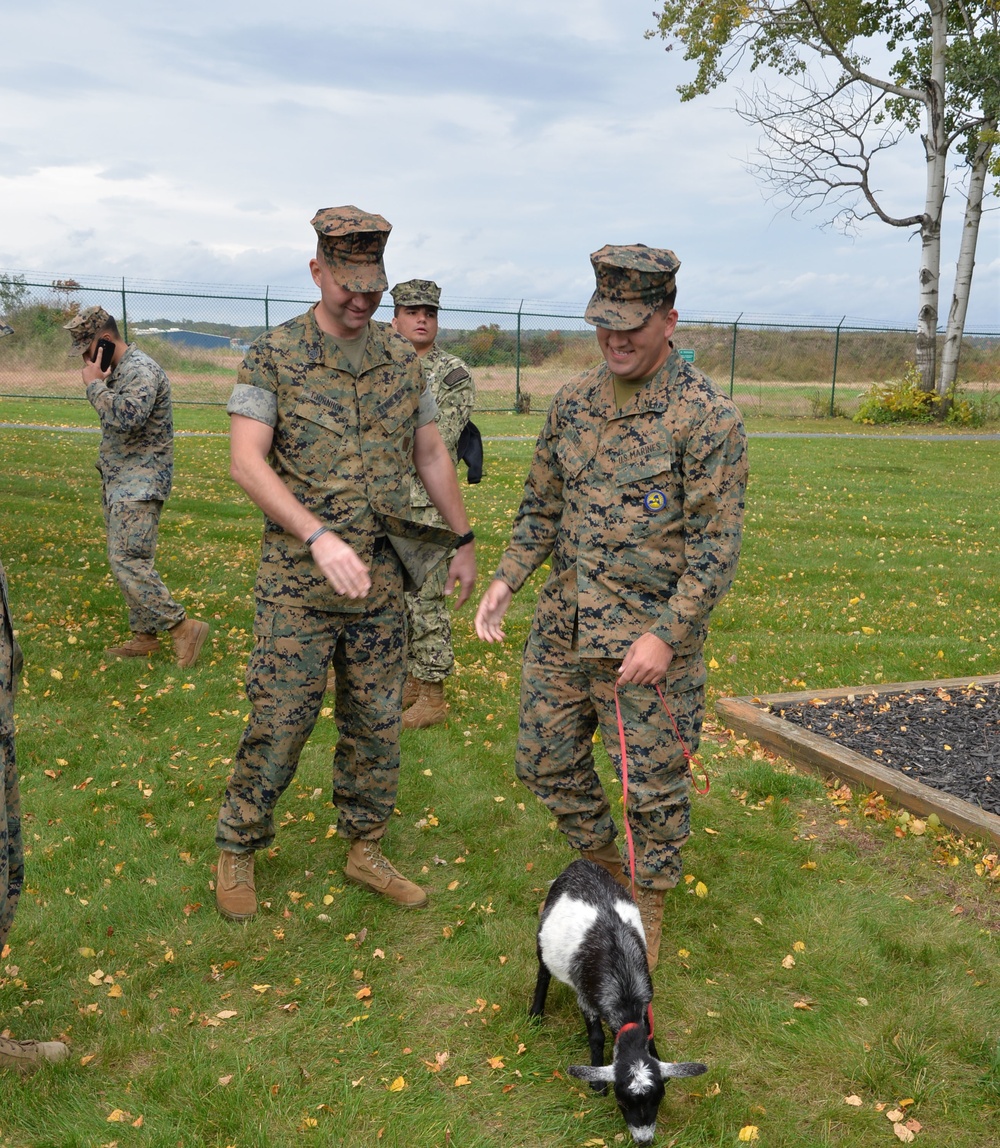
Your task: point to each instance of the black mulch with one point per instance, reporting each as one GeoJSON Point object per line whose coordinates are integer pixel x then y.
{"type": "Point", "coordinates": [948, 739]}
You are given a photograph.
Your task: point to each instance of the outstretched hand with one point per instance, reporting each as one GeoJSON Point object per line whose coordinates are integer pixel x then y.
{"type": "Point", "coordinates": [492, 608]}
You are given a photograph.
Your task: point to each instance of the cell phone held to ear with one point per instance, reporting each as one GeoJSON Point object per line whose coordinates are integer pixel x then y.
{"type": "Point", "coordinates": [105, 352]}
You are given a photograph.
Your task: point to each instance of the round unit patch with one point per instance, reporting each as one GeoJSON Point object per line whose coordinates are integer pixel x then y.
{"type": "Point", "coordinates": [655, 500]}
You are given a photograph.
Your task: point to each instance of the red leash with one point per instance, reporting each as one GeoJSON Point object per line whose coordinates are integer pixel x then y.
{"type": "Point", "coordinates": [688, 758]}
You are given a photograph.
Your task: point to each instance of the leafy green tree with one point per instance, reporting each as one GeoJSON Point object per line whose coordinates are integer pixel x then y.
{"type": "Point", "coordinates": [13, 294]}
{"type": "Point", "coordinates": [826, 134]}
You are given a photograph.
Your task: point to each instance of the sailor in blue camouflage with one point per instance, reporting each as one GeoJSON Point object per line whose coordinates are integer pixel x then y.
{"type": "Point", "coordinates": [635, 495]}
{"type": "Point", "coordinates": [430, 655]}
{"type": "Point", "coordinates": [11, 849]}
{"type": "Point", "coordinates": [329, 416]}
{"type": "Point", "coordinates": [136, 463]}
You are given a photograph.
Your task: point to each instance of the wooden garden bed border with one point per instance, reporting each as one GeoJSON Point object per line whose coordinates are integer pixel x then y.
{"type": "Point", "coordinates": [746, 716]}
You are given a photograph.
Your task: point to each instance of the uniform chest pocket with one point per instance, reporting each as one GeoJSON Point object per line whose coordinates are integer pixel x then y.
{"type": "Point", "coordinates": [327, 413]}
{"type": "Point", "coordinates": [574, 453]}
{"type": "Point", "coordinates": [655, 466]}
{"type": "Point", "coordinates": [398, 409]}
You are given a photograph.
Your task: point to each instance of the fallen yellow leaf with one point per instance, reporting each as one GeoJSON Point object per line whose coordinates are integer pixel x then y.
{"type": "Point", "coordinates": [701, 889]}
{"type": "Point", "coordinates": [749, 1132]}
{"type": "Point", "coordinates": [397, 1085]}
{"type": "Point", "coordinates": [854, 1101]}
{"type": "Point", "coordinates": [462, 1081]}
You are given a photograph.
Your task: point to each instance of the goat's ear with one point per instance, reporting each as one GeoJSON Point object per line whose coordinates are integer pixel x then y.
{"type": "Point", "coordinates": [685, 1068]}
{"type": "Point", "coordinates": [600, 1075]}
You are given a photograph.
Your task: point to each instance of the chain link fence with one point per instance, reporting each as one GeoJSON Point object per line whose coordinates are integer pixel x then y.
{"type": "Point", "coordinates": [518, 356]}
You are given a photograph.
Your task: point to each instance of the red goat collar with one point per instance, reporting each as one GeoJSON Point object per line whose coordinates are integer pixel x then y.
{"type": "Point", "coordinates": [632, 1024]}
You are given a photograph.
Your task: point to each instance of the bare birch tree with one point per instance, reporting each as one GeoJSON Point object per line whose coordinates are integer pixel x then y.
{"type": "Point", "coordinates": [826, 133]}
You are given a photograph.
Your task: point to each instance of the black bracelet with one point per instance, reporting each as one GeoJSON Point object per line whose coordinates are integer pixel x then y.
{"type": "Point", "coordinates": [465, 539]}
{"type": "Point", "coordinates": [317, 534]}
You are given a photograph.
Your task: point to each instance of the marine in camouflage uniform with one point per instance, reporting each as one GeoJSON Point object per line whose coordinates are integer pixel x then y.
{"type": "Point", "coordinates": [330, 414]}
{"type": "Point", "coordinates": [24, 1055]}
{"type": "Point", "coordinates": [430, 656]}
{"type": "Point", "coordinates": [136, 465]}
{"type": "Point", "coordinates": [636, 494]}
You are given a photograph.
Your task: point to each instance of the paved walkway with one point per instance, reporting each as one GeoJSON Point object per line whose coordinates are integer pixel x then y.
{"type": "Point", "coordinates": [965, 436]}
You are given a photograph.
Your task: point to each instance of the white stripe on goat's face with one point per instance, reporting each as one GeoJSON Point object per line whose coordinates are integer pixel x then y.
{"type": "Point", "coordinates": [629, 913]}
{"type": "Point", "coordinates": [643, 1134]}
{"type": "Point", "coordinates": [640, 1079]}
{"type": "Point", "coordinates": [562, 932]}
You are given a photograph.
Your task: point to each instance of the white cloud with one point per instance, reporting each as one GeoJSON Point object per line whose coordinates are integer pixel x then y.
{"type": "Point", "coordinates": [505, 142]}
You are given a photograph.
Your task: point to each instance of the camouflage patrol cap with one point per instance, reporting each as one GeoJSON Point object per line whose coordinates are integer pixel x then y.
{"type": "Point", "coordinates": [5, 330]}
{"type": "Point", "coordinates": [417, 293]}
{"type": "Point", "coordinates": [352, 242]}
{"type": "Point", "coordinates": [85, 324]}
{"type": "Point", "coordinates": [632, 282]}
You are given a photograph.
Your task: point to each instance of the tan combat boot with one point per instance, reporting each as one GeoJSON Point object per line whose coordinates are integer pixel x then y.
{"type": "Point", "coordinates": [650, 902]}
{"type": "Point", "coordinates": [235, 894]}
{"type": "Point", "coordinates": [609, 858]}
{"type": "Point", "coordinates": [189, 637]}
{"type": "Point", "coordinates": [411, 689]}
{"type": "Point", "coordinates": [368, 866]}
{"type": "Point", "coordinates": [28, 1055]}
{"type": "Point", "coordinates": [430, 707]}
{"type": "Point", "coordinates": [138, 646]}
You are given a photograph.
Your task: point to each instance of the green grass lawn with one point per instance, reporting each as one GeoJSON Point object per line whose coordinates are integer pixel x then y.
{"type": "Point", "coordinates": [833, 955]}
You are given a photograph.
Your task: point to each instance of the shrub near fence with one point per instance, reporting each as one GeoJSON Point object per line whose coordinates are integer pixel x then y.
{"type": "Point", "coordinates": [519, 358]}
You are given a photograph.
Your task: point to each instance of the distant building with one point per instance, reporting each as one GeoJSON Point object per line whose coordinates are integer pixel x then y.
{"type": "Point", "coordinates": [189, 338]}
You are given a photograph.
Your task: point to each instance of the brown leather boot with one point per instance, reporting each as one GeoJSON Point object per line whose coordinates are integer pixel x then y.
{"type": "Point", "coordinates": [430, 708]}
{"type": "Point", "coordinates": [608, 857]}
{"type": "Point", "coordinates": [650, 902]}
{"type": "Point", "coordinates": [368, 866]}
{"type": "Point", "coordinates": [235, 894]}
{"type": "Point", "coordinates": [411, 689]}
{"type": "Point", "coordinates": [28, 1055]}
{"type": "Point", "coordinates": [189, 637]}
{"type": "Point", "coordinates": [138, 646]}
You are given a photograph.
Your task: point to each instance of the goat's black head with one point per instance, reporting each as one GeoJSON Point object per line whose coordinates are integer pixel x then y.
{"type": "Point", "coordinates": [638, 1079]}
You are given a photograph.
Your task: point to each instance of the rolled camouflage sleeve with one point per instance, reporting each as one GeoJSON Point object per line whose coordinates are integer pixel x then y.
{"type": "Point", "coordinates": [538, 519]}
{"type": "Point", "coordinates": [255, 394]}
{"type": "Point", "coordinates": [715, 477]}
{"type": "Point", "coordinates": [427, 412]}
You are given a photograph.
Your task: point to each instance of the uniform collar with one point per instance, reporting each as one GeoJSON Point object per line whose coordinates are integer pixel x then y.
{"type": "Point", "coordinates": [654, 396]}
{"type": "Point", "coordinates": [315, 345]}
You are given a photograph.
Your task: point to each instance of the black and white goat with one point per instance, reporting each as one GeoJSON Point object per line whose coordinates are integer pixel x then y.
{"type": "Point", "coordinates": [590, 937]}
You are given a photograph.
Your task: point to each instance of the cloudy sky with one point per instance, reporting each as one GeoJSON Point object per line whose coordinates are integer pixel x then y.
{"type": "Point", "coordinates": [505, 140]}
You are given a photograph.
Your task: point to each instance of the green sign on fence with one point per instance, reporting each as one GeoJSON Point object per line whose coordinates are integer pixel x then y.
{"type": "Point", "coordinates": [687, 356]}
